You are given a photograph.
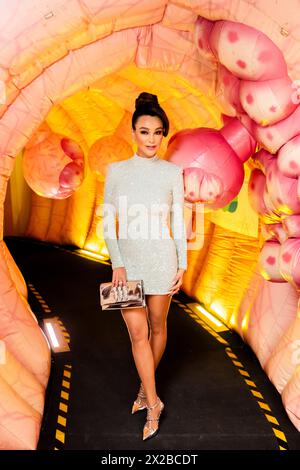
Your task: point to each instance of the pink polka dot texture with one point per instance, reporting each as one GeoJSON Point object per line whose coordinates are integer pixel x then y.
{"type": "Point", "coordinates": [254, 82]}
{"type": "Point", "coordinates": [54, 167]}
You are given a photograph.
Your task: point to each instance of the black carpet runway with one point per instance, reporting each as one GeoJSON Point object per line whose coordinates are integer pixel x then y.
{"type": "Point", "coordinates": [208, 404]}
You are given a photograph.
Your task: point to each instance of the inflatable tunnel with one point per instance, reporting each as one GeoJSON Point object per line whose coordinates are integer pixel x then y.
{"type": "Point", "coordinates": [226, 73]}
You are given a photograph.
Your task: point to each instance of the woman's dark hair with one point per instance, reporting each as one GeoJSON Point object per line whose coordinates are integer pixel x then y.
{"type": "Point", "coordinates": [147, 104]}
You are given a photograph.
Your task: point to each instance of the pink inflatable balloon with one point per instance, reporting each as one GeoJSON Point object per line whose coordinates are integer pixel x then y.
{"type": "Point", "coordinates": [272, 312]}
{"type": "Point", "coordinates": [269, 261]}
{"type": "Point", "coordinates": [202, 186]}
{"type": "Point", "coordinates": [282, 190]}
{"type": "Point", "coordinates": [274, 136]}
{"type": "Point", "coordinates": [289, 261]}
{"type": "Point", "coordinates": [267, 102]}
{"type": "Point", "coordinates": [277, 232]}
{"type": "Point", "coordinates": [70, 176]}
{"type": "Point", "coordinates": [274, 215]}
{"type": "Point", "coordinates": [246, 52]}
{"type": "Point", "coordinates": [73, 150]}
{"type": "Point", "coordinates": [291, 225]}
{"type": "Point", "coordinates": [256, 188]}
{"type": "Point", "coordinates": [291, 391]}
{"type": "Point", "coordinates": [206, 155]}
{"type": "Point", "coordinates": [283, 364]}
{"type": "Point", "coordinates": [289, 158]}
{"type": "Point", "coordinates": [202, 31]}
{"type": "Point", "coordinates": [238, 137]}
{"type": "Point", "coordinates": [259, 198]}
{"type": "Point", "coordinates": [54, 167]}
{"type": "Point", "coordinates": [228, 90]}
{"type": "Point", "coordinates": [262, 159]}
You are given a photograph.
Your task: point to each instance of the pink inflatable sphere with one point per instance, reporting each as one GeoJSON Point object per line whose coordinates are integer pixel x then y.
{"type": "Point", "coordinates": [289, 261]}
{"type": "Point", "coordinates": [54, 167]}
{"type": "Point", "coordinates": [289, 158]}
{"type": "Point", "coordinates": [269, 261]}
{"type": "Point", "coordinates": [213, 172]}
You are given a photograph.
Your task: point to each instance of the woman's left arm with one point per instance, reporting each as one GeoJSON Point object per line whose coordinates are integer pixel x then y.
{"type": "Point", "coordinates": [178, 228]}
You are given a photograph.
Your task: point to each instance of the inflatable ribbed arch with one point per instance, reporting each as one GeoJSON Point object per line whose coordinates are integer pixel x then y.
{"type": "Point", "coordinates": [70, 71]}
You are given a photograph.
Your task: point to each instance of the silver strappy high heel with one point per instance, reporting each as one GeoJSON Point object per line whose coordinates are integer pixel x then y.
{"type": "Point", "coordinates": [140, 403]}
{"type": "Point", "coordinates": [150, 431]}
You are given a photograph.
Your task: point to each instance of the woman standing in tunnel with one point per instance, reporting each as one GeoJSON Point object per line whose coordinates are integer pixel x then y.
{"type": "Point", "coordinates": [155, 186]}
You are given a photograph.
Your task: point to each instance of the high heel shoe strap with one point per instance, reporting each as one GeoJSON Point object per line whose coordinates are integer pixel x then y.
{"type": "Point", "coordinates": [155, 404]}
{"type": "Point", "coordinates": [142, 392]}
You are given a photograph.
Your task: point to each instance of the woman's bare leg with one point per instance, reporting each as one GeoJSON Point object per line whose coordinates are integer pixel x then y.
{"type": "Point", "coordinates": [137, 325]}
{"type": "Point", "coordinates": [158, 308]}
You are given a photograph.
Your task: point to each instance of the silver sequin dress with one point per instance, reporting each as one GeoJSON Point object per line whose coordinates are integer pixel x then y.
{"type": "Point", "coordinates": [146, 196]}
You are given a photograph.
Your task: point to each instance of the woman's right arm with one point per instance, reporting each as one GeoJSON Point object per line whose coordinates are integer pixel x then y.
{"type": "Point", "coordinates": [109, 225]}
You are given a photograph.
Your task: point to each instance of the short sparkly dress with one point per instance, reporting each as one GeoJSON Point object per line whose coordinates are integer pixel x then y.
{"type": "Point", "coordinates": [146, 197]}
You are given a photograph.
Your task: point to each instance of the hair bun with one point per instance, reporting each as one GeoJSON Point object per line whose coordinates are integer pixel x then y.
{"type": "Point", "coordinates": [146, 99]}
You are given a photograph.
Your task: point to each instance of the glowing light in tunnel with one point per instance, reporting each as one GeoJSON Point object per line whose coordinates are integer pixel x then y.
{"type": "Point", "coordinates": [90, 248]}
{"type": "Point", "coordinates": [54, 333]}
{"type": "Point", "coordinates": [232, 320]}
{"type": "Point", "coordinates": [91, 254]}
{"type": "Point", "coordinates": [245, 322]}
{"type": "Point", "coordinates": [209, 316]}
{"type": "Point", "coordinates": [104, 252]}
{"type": "Point", "coordinates": [51, 334]}
{"type": "Point", "coordinates": [218, 308]}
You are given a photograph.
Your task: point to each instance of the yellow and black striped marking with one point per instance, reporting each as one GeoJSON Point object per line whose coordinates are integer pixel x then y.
{"type": "Point", "coordinates": [204, 325]}
{"type": "Point", "coordinates": [39, 298]}
{"type": "Point", "coordinates": [64, 330]}
{"type": "Point", "coordinates": [60, 432]}
{"type": "Point", "coordinates": [61, 424]}
{"type": "Point", "coordinates": [47, 309]}
{"type": "Point", "coordinates": [263, 406]}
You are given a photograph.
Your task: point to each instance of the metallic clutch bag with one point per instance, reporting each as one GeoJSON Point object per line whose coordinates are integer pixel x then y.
{"type": "Point", "coordinates": [130, 295]}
